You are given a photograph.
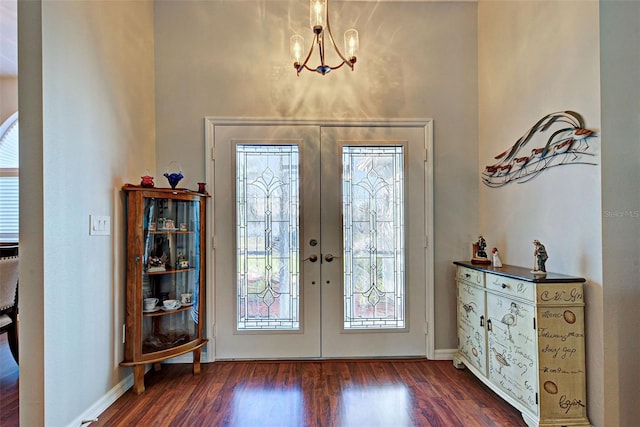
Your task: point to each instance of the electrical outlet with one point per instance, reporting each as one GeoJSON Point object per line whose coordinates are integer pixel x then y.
{"type": "Point", "coordinates": [99, 225]}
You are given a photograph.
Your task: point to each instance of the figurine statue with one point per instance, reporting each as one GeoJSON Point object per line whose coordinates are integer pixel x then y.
{"type": "Point", "coordinates": [479, 253]}
{"type": "Point", "coordinates": [497, 263]}
{"type": "Point", "coordinates": [482, 244]}
{"type": "Point", "coordinates": [540, 257]}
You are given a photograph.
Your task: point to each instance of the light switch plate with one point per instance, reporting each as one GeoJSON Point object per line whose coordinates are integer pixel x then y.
{"type": "Point", "coordinates": [99, 225]}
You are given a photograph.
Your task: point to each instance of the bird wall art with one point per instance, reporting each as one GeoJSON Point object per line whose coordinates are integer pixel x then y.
{"type": "Point", "coordinates": [568, 143]}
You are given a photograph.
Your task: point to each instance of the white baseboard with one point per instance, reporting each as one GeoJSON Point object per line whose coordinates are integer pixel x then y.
{"type": "Point", "coordinates": [94, 411]}
{"type": "Point", "coordinates": [445, 354]}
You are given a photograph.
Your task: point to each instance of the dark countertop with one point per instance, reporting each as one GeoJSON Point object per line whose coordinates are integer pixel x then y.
{"type": "Point", "coordinates": [520, 273]}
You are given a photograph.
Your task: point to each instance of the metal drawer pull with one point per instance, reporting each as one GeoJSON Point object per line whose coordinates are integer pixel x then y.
{"type": "Point", "coordinates": [504, 286]}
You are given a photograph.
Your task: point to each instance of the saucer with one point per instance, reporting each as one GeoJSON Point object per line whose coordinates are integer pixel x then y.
{"type": "Point", "coordinates": [186, 304]}
{"type": "Point", "coordinates": [153, 310]}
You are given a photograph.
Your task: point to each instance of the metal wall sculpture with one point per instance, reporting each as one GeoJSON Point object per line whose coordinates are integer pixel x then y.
{"type": "Point", "coordinates": [568, 144]}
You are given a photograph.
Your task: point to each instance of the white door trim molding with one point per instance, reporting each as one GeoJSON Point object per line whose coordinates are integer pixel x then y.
{"type": "Point", "coordinates": [210, 124]}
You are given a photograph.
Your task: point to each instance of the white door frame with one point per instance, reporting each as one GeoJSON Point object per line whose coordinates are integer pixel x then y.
{"type": "Point", "coordinates": [210, 124]}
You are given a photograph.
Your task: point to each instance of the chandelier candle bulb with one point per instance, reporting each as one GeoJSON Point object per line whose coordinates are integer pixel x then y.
{"type": "Point", "coordinates": [296, 45]}
{"type": "Point", "coordinates": [317, 12]}
{"type": "Point", "coordinates": [351, 44]}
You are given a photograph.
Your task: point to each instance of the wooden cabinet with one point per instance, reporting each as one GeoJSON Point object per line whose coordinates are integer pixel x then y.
{"type": "Point", "coordinates": [523, 336]}
{"type": "Point", "coordinates": [165, 261]}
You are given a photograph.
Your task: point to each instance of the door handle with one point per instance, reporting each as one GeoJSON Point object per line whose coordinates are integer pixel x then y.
{"type": "Point", "coordinates": [312, 258]}
{"type": "Point", "coordinates": [330, 257]}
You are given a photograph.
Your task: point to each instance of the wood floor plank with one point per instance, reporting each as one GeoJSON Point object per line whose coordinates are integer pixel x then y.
{"type": "Point", "coordinates": [9, 386]}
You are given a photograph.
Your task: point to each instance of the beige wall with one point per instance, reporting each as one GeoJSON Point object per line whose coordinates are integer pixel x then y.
{"type": "Point", "coordinates": [418, 60]}
{"type": "Point", "coordinates": [87, 127]}
{"type": "Point", "coordinates": [8, 96]}
{"type": "Point", "coordinates": [536, 58]}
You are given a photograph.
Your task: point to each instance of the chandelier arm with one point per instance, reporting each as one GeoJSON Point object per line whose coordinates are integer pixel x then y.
{"type": "Point", "coordinates": [339, 66]}
{"type": "Point", "coordinates": [315, 70]}
{"type": "Point", "coordinates": [335, 46]}
{"type": "Point", "coordinates": [304, 63]}
{"type": "Point", "coordinates": [344, 60]}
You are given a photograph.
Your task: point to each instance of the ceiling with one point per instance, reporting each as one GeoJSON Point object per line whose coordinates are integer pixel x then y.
{"type": "Point", "coordinates": [8, 38]}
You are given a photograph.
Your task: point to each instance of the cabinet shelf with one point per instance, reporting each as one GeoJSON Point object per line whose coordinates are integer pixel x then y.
{"type": "Point", "coordinates": [170, 271]}
{"type": "Point", "coordinates": [166, 312]}
{"type": "Point", "coordinates": [175, 353]}
{"type": "Point", "coordinates": [176, 231]}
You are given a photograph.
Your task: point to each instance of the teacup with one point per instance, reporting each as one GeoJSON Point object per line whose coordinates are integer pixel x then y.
{"type": "Point", "coordinates": [185, 298]}
{"type": "Point", "coordinates": [171, 304]}
{"type": "Point", "coordinates": [149, 303]}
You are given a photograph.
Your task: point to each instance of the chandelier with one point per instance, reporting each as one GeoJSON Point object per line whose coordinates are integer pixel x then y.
{"type": "Point", "coordinates": [319, 19]}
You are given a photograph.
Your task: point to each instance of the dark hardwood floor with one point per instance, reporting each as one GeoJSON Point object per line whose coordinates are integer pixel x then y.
{"type": "Point", "coordinates": [345, 393]}
{"type": "Point", "coordinates": [8, 386]}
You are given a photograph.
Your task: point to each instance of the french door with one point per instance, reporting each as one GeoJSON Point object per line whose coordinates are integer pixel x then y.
{"type": "Point", "coordinates": [319, 241]}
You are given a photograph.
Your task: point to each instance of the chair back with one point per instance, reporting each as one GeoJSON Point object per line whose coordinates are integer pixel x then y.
{"type": "Point", "coordinates": [8, 282]}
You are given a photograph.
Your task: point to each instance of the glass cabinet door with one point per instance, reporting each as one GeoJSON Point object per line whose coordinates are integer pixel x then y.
{"type": "Point", "coordinates": [170, 274]}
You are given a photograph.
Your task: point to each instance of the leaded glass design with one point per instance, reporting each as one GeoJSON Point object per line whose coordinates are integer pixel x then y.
{"type": "Point", "coordinates": [267, 228]}
{"type": "Point", "coordinates": [373, 230]}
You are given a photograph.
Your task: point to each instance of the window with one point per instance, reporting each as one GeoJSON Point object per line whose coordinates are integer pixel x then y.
{"type": "Point", "coordinates": [9, 180]}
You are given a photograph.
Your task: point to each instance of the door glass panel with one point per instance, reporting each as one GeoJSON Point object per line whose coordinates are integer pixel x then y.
{"type": "Point", "coordinates": [267, 229]}
{"type": "Point", "coordinates": [171, 269]}
{"type": "Point", "coordinates": [373, 237]}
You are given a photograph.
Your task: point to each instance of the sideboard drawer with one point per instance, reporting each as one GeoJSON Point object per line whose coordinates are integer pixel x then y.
{"type": "Point", "coordinates": [512, 287]}
{"type": "Point", "coordinates": [474, 277]}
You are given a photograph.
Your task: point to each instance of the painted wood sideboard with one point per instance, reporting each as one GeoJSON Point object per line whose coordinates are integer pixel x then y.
{"type": "Point", "coordinates": [523, 336]}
